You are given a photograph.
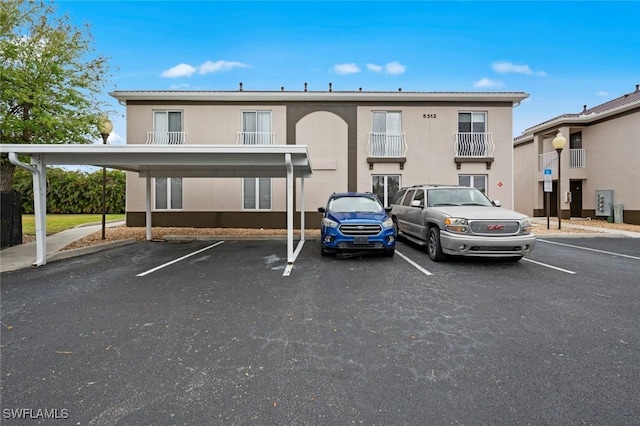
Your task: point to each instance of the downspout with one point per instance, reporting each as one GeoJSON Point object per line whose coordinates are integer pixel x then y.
{"type": "Point", "coordinates": [39, 202]}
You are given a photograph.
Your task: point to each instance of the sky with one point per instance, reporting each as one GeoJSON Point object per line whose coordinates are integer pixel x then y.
{"type": "Point", "coordinates": [563, 54]}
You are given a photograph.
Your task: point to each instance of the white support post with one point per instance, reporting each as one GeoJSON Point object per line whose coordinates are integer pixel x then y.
{"type": "Point", "coordinates": [289, 165]}
{"type": "Point", "coordinates": [301, 208]}
{"type": "Point", "coordinates": [147, 217]}
{"type": "Point", "coordinates": [40, 206]}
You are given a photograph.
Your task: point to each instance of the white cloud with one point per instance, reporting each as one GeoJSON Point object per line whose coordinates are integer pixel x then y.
{"type": "Point", "coordinates": [487, 83]}
{"type": "Point", "coordinates": [186, 70]}
{"type": "Point", "coordinates": [394, 68]}
{"type": "Point", "coordinates": [602, 93]}
{"type": "Point", "coordinates": [181, 86]}
{"type": "Point", "coordinates": [503, 67]}
{"type": "Point", "coordinates": [216, 66]}
{"type": "Point", "coordinates": [344, 69]}
{"type": "Point", "coordinates": [182, 70]}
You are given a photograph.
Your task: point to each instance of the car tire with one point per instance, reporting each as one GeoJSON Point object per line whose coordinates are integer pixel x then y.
{"type": "Point", "coordinates": [398, 236]}
{"type": "Point", "coordinates": [514, 259]}
{"type": "Point", "coordinates": [389, 252]}
{"type": "Point", "coordinates": [434, 248]}
{"type": "Point", "coordinates": [323, 252]}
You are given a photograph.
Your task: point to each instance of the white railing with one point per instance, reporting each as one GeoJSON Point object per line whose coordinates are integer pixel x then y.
{"type": "Point", "coordinates": [256, 138]}
{"type": "Point", "coordinates": [549, 160]}
{"type": "Point", "coordinates": [578, 158]}
{"type": "Point", "coordinates": [474, 145]}
{"type": "Point", "coordinates": [387, 145]}
{"type": "Point", "coordinates": [166, 138]}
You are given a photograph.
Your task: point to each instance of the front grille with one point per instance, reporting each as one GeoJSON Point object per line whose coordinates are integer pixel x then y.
{"type": "Point", "coordinates": [364, 230]}
{"type": "Point", "coordinates": [495, 227]}
{"type": "Point", "coordinates": [351, 246]}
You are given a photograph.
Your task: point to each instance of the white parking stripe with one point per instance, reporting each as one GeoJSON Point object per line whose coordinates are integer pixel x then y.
{"type": "Point", "coordinates": [414, 264]}
{"type": "Point", "coordinates": [590, 249]}
{"type": "Point", "coordinates": [178, 260]}
{"type": "Point", "coordinates": [550, 266]}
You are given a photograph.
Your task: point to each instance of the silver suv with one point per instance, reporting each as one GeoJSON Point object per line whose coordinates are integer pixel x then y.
{"type": "Point", "coordinates": [457, 220]}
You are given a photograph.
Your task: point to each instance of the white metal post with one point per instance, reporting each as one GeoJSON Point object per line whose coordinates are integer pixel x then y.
{"type": "Point", "coordinates": [289, 165]}
{"type": "Point", "coordinates": [40, 206]}
{"type": "Point", "coordinates": [147, 218]}
{"type": "Point", "coordinates": [301, 208]}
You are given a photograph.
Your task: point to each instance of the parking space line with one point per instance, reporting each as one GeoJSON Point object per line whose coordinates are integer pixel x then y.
{"type": "Point", "coordinates": [414, 264]}
{"type": "Point", "coordinates": [550, 266]}
{"type": "Point", "coordinates": [179, 259]}
{"type": "Point", "coordinates": [591, 249]}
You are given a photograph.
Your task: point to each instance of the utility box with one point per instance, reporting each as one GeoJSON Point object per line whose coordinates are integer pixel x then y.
{"type": "Point", "coordinates": [604, 202]}
{"type": "Point", "coordinates": [617, 213]}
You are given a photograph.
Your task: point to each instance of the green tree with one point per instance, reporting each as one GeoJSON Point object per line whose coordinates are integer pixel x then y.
{"type": "Point", "coordinates": [50, 79]}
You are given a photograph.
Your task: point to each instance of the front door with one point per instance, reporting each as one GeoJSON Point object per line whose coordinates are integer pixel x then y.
{"type": "Point", "coordinates": [576, 198]}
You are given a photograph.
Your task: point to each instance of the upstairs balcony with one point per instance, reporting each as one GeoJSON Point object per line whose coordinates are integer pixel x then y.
{"type": "Point", "coordinates": [549, 160]}
{"type": "Point", "coordinates": [472, 147]}
{"type": "Point", "coordinates": [166, 138]}
{"type": "Point", "coordinates": [383, 147]}
{"type": "Point", "coordinates": [256, 138]}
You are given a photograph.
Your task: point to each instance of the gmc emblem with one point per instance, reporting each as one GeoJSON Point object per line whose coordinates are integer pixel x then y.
{"type": "Point", "coordinates": [495, 227]}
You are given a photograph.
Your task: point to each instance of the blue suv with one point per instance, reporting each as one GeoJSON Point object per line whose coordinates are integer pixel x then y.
{"type": "Point", "coordinates": [356, 222]}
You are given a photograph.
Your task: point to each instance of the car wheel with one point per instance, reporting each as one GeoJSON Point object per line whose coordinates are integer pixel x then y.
{"type": "Point", "coordinates": [514, 258]}
{"type": "Point", "coordinates": [389, 252]}
{"type": "Point", "coordinates": [434, 249]}
{"type": "Point", "coordinates": [323, 252]}
{"type": "Point", "coordinates": [396, 231]}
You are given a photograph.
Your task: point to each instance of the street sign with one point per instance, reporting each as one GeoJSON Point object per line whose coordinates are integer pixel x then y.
{"type": "Point", "coordinates": [548, 185]}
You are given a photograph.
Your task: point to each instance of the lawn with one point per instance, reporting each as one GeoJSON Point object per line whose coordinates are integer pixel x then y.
{"type": "Point", "coordinates": [60, 222]}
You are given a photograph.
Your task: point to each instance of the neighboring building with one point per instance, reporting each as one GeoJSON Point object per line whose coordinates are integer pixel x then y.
{"type": "Point", "coordinates": [357, 141]}
{"type": "Point", "coordinates": [600, 164]}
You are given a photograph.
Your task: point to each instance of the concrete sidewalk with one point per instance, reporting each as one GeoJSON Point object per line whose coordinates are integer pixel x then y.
{"type": "Point", "coordinates": [24, 255]}
{"type": "Point", "coordinates": [542, 221]}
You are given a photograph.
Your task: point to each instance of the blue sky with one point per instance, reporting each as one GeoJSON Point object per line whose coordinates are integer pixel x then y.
{"type": "Point", "coordinates": [564, 54]}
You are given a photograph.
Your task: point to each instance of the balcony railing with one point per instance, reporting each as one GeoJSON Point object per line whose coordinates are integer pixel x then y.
{"type": "Point", "coordinates": [256, 138]}
{"type": "Point", "coordinates": [386, 145]}
{"type": "Point", "coordinates": [549, 160]}
{"type": "Point", "coordinates": [166, 138]}
{"type": "Point", "coordinates": [474, 145]}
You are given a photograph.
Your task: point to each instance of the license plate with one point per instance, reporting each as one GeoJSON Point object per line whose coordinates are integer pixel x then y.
{"type": "Point", "coordinates": [360, 240]}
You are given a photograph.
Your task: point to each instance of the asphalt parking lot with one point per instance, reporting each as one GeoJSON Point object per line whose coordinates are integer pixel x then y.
{"type": "Point", "coordinates": [126, 336]}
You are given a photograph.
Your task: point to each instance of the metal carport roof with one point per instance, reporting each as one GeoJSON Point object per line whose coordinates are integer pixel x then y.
{"type": "Point", "coordinates": [274, 161]}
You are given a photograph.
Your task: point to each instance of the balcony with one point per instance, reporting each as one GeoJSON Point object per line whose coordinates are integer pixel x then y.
{"type": "Point", "coordinates": [385, 147]}
{"type": "Point", "coordinates": [549, 160]}
{"type": "Point", "coordinates": [256, 138]}
{"type": "Point", "coordinates": [471, 147]}
{"type": "Point", "coordinates": [166, 138]}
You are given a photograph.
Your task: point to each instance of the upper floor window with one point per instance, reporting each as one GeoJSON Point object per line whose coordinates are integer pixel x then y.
{"type": "Point", "coordinates": [387, 122]}
{"type": "Point", "coordinates": [256, 128]}
{"type": "Point", "coordinates": [386, 138]}
{"type": "Point", "coordinates": [167, 128]}
{"type": "Point", "coordinates": [472, 122]}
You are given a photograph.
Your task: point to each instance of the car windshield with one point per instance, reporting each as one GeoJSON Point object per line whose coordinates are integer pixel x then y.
{"type": "Point", "coordinates": [457, 197]}
{"type": "Point", "coordinates": [355, 205]}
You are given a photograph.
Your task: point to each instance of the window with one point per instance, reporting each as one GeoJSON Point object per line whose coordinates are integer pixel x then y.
{"type": "Point", "coordinates": [256, 194]}
{"type": "Point", "coordinates": [386, 134]}
{"type": "Point", "coordinates": [472, 122]}
{"type": "Point", "coordinates": [167, 127]}
{"type": "Point", "coordinates": [168, 193]}
{"type": "Point", "coordinates": [408, 198]}
{"type": "Point", "coordinates": [385, 187]}
{"type": "Point", "coordinates": [256, 128]}
{"type": "Point", "coordinates": [474, 181]}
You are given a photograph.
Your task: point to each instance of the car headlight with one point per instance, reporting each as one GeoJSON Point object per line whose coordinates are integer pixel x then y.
{"type": "Point", "coordinates": [526, 224]}
{"type": "Point", "coordinates": [388, 223]}
{"type": "Point", "coordinates": [456, 224]}
{"type": "Point", "coordinates": [329, 223]}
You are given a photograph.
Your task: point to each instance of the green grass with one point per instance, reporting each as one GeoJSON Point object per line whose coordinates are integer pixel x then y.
{"type": "Point", "coordinates": [60, 222]}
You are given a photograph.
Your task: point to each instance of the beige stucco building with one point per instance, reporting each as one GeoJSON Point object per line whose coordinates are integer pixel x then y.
{"type": "Point", "coordinates": [600, 164]}
{"type": "Point", "coordinates": [357, 141]}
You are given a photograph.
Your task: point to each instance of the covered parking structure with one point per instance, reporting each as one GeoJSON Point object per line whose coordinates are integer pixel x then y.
{"type": "Point", "coordinates": [152, 161]}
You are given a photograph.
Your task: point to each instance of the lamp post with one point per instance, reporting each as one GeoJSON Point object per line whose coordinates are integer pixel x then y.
{"type": "Point", "coordinates": [104, 127]}
{"type": "Point", "coordinates": [558, 144]}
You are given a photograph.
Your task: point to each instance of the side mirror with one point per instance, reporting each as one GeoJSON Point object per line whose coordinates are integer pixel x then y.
{"type": "Point", "coordinates": [322, 210]}
{"type": "Point", "coordinates": [496, 203]}
{"type": "Point", "coordinates": [417, 203]}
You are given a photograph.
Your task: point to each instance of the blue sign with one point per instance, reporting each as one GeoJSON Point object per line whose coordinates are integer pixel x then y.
{"type": "Point", "coordinates": [547, 171]}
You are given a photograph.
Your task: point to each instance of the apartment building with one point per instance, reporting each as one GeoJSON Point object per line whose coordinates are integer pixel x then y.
{"type": "Point", "coordinates": [356, 140]}
{"type": "Point", "coordinates": [599, 166]}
